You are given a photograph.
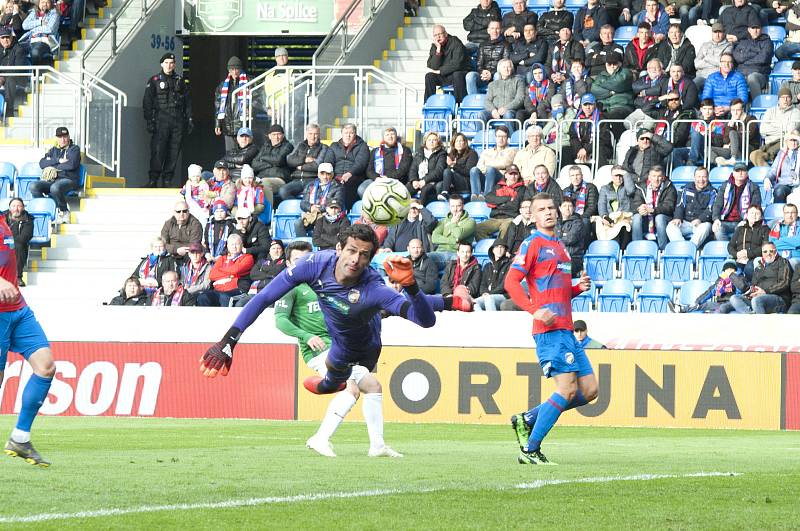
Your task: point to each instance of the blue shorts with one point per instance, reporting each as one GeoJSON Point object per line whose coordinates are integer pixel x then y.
{"type": "Point", "coordinates": [559, 353]}
{"type": "Point", "coordinates": [20, 332]}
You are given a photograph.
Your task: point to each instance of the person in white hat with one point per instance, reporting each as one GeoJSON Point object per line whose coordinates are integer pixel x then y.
{"type": "Point", "coordinates": [316, 195]}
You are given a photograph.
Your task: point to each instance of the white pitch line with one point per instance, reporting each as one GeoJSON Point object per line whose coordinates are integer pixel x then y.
{"type": "Point", "coordinates": [300, 498]}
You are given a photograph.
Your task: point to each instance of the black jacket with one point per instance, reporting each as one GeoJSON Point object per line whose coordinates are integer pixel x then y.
{"type": "Point", "coordinates": [437, 162]}
{"type": "Point", "coordinates": [736, 20]}
{"type": "Point", "coordinates": [21, 228]}
{"type": "Point", "coordinates": [526, 54]}
{"type": "Point", "coordinates": [693, 204]}
{"type": "Point", "coordinates": [596, 56]}
{"type": "Point", "coordinates": [652, 89]}
{"type": "Point", "coordinates": [453, 58]}
{"type": "Point", "coordinates": [165, 263]}
{"type": "Point", "coordinates": [353, 159]}
{"type": "Point", "coordinates": [136, 300]}
{"type": "Point", "coordinates": [14, 56]}
{"type": "Point", "coordinates": [256, 239]}
{"type": "Point", "coordinates": [572, 50]}
{"type": "Point", "coordinates": [471, 277]}
{"type": "Point", "coordinates": [426, 273]}
{"type": "Point", "coordinates": [598, 16]}
{"type": "Point", "coordinates": [491, 52]}
{"type": "Point", "coordinates": [478, 20]}
{"type": "Point", "coordinates": [667, 196]}
{"type": "Point", "coordinates": [265, 270]}
{"type": "Point", "coordinates": [494, 273]}
{"type": "Point", "coordinates": [233, 120]}
{"type": "Point", "coordinates": [70, 168]}
{"type": "Point", "coordinates": [684, 55]}
{"type": "Point", "coordinates": [400, 173]}
{"type": "Point", "coordinates": [749, 238]}
{"type": "Point", "coordinates": [519, 21]}
{"type": "Point", "coordinates": [465, 162]}
{"type": "Point", "coordinates": [296, 160]}
{"type": "Point", "coordinates": [552, 21]}
{"type": "Point", "coordinates": [271, 161]}
{"type": "Point", "coordinates": [795, 286]}
{"type": "Point", "coordinates": [326, 232]}
{"type": "Point", "coordinates": [504, 200]}
{"type": "Point", "coordinates": [754, 55]}
{"type": "Point", "coordinates": [689, 94]}
{"type": "Point", "coordinates": [551, 188]}
{"type": "Point", "coordinates": [775, 278]}
{"type": "Point", "coordinates": [631, 60]}
{"type": "Point", "coordinates": [517, 232]}
{"type": "Point", "coordinates": [572, 233]}
{"type": "Point", "coordinates": [592, 196]}
{"type": "Point", "coordinates": [652, 156]}
{"type": "Point", "coordinates": [399, 235]}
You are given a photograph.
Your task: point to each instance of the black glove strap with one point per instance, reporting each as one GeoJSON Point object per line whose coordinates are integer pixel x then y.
{"type": "Point", "coordinates": [232, 336]}
{"type": "Point", "coordinates": [412, 290]}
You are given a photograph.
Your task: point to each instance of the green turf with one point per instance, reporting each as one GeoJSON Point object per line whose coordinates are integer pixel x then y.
{"type": "Point", "coordinates": [452, 477]}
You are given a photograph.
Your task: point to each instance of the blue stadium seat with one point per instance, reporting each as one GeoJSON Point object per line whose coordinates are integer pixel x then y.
{"type": "Point", "coordinates": [682, 175]}
{"type": "Point", "coordinates": [654, 295]}
{"type": "Point", "coordinates": [584, 301]}
{"type": "Point", "coordinates": [437, 113]}
{"type": "Point", "coordinates": [691, 290]}
{"type": "Point", "coordinates": [469, 114]}
{"type": "Point", "coordinates": [539, 6]}
{"type": "Point", "coordinates": [478, 210]}
{"type": "Point", "coordinates": [30, 172]}
{"type": "Point", "coordinates": [624, 35]}
{"type": "Point", "coordinates": [773, 212]}
{"type": "Point", "coordinates": [776, 34]}
{"type": "Point", "coordinates": [481, 250]}
{"type": "Point", "coordinates": [677, 262]}
{"type": "Point", "coordinates": [8, 172]}
{"type": "Point", "coordinates": [719, 175]}
{"type": "Point", "coordinates": [438, 209]}
{"type": "Point", "coordinates": [43, 210]}
{"type": "Point", "coordinates": [757, 174]}
{"type": "Point", "coordinates": [616, 296]}
{"type": "Point", "coordinates": [81, 183]}
{"type": "Point", "coordinates": [713, 255]}
{"type": "Point", "coordinates": [287, 213]}
{"type": "Point", "coordinates": [266, 215]}
{"type": "Point", "coordinates": [601, 260]}
{"type": "Point", "coordinates": [355, 212]}
{"type": "Point", "coordinates": [763, 102]}
{"type": "Point", "coordinates": [517, 140]}
{"type": "Point", "coordinates": [639, 261]}
{"type": "Point", "coordinates": [781, 71]}
{"type": "Point", "coordinates": [483, 140]}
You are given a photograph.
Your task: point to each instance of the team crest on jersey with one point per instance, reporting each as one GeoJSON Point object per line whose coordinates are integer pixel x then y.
{"type": "Point", "coordinates": [569, 357]}
{"type": "Point", "coordinates": [353, 296]}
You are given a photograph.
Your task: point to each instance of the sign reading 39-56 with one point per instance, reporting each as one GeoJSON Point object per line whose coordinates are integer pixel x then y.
{"type": "Point", "coordinates": [258, 17]}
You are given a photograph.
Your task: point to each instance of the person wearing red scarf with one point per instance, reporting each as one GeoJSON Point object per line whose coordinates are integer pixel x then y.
{"type": "Point", "coordinates": [463, 271]}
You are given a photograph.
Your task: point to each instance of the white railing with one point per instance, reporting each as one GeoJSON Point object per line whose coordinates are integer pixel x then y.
{"type": "Point", "coordinates": [336, 45]}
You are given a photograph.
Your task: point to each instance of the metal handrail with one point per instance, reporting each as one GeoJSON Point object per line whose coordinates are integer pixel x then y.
{"type": "Point", "coordinates": [341, 27]}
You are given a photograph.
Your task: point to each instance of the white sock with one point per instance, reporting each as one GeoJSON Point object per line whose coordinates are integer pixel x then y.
{"type": "Point", "coordinates": [20, 436]}
{"type": "Point", "coordinates": [340, 406]}
{"type": "Point", "coordinates": [373, 415]}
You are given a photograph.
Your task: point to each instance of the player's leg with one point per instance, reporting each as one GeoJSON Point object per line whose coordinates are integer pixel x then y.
{"type": "Point", "coordinates": [373, 412]}
{"type": "Point", "coordinates": [335, 379]}
{"type": "Point", "coordinates": [339, 406]}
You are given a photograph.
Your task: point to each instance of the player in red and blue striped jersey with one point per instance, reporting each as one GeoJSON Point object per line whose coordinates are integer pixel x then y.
{"type": "Point", "coordinates": [543, 262]}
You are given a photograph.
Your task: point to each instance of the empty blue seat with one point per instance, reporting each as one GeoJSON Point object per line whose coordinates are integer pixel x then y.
{"type": "Point", "coordinates": [469, 114]}
{"type": "Point", "coordinates": [266, 215]}
{"type": "Point", "coordinates": [763, 102]}
{"type": "Point", "coordinates": [773, 212]}
{"type": "Point", "coordinates": [81, 183]}
{"type": "Point", "coordinates": [677, 262]}
{"type": "Point", "coordinates": [639, 261]}
{"type": "Point", "coordinates": [438, 209]}
{"type": "Point", "coordinates": [437, 113]}
{"type": "Point", "coordinates": [654, 295]}
{"type": "Point", "coordinates": [600, 260]}
{"type": "Point", "coordinates": [29, 173]}
{"type": "Point", "coordinates": [776, 34]}
{"type": "Point", "coordinates": [483, 140]}
{"type": "Point", "coordinates": [8, 172]}
{"type": "Point", "coordinates": [781, 71]}
{"type": "Point", "coordinates": [517, 140]}
{"type": "Point", "coordinates": [757, 174]}
{"type": "Point", "coordinates": [481, 250]}
{"type": "Point", "coordinates": [713, 255]}
{"type": "Point", "coordinates": [539, 6]}
{"type": "Point", "coordinates": [682, 175]}
{"type": "Point", "coordinates": [616, 296]}
{"type": "Point", "coordinates": [286, 215]}
{"type": "Point", "coordinates": [584, 301]}
{"type": "Point", "coordinates": [719, 175]}
{"type": "Point", "coordinates": [43, 210]}
{"type": "Point", "coordinates": [478, 210]}
{"type": "Point", "coordinates": [355, 212]}
{"type": "Point", "coordinates": [691, 290]}
{"type": "Point", "coordinates": [625, 34]}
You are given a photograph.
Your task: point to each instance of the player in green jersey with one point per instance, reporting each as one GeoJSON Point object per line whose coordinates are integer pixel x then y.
{"type": "Point", "coordinates": [297, 314]}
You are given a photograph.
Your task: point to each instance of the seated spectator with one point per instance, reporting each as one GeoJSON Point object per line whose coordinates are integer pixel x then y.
{"type": "Point", "coordinates": [784, 175]}
{"type": "Point", "coordinates": [271, 164]}
{"type": "Point", "coordinates": [734, 199]}
{"type": "Point", "coordinates": [131, 294]}
{"type": "Point", "coordinates": [656, 17]}
{"type": "Point", "coordinates": [693, 211]}
{"type": "Point", "coordinates": [490, 54]}
{"type": "Point", "coordinates": [477, 22]}
{"type": "Point", "coordinates": [418, 225]}
{"type": "Point", "coordinates": [572, 232]}
{"type": "Point", "coordinates": [492, 165]}
{"type": "Point", "coordinates": [770, 291]}
{"type": "Point", "coordinates": [315, 196]}
{"type": "Point", "coordinates": [61, 174]}
{"type": "Point", "coordinates": [640, 51]}
{"type": "Point", "coordinates": [195, 270]}
{"type": "Point", "coordinates": [716, 299]}
{"type": "Point", "coordinates": [492, 290]}
{"type": "Point", "coordinates": [514, 21]}
{"type": "Point", "coordinates": [246, 152]}
{"type": "Point", "coordinates": [11, 54]}
{"type": "Point", "coordinates": [754, 57]}
{"type": "Point", "coordinates": [463, 270]}
{"type": "Point", "coordinates": [596, 53]}
{"type": "Point", "coordinates": [781, 118]}
{"type": "Point", "coordinates": [534, 154]}
{"type": "Point", "coordinates": [791, 44]}
{"type": "Point", "coordinates": [390, 159]}
{"type": "Point", "coordinates": [520, 227]}
{"type": "Point", "coordinates": [21, 225]}
{"type": "Point", "coordinates": [457, 227]}
{"type": "Point", "coordinates": [42, 32]}
{"type": "Point", "coordinates": [351, 158]}
{"type": "Point", "coordinates": [563, 52]}
{"type": "Point", "coordinates": [551, 22]}
{"type": "Point", "coordinates": [152, 267]}
{"type": "Point", "coordinates": [181, 230]}
{"type": "Point", "coordinates": [327, 226]}
{"type": "Point", "coordinates": [230, 275]}
{"type": "Point", "coordinates": [221, 186]}
{"type": "Point", "coordinates": [683, 85]}
{"type": "Point", "coordinates": [614, 91]}
{"type": "Point", "coordinates": [504, 204]}
{"type": "Point", "coordinates": [426, 272]}
{"type": "Point", "coordinates": [218, 227]}
{"type": "Point", "coordinates": [725, 85]}
{"type": "Point", "coordinates": [676, 49]}
{"type": "Point", "coordinates": [615, 208]}
{"type": "Point", "coordinates": [708, 55]}
{"type": "Point", "coordinates": [575, 85]}
{"type": "Point", "coordinates": [786, 237]}
{"type": "Point", "coordinates": [230, 111]}
{"type": "Point", "coordinates": [543, 182]}
{"type": "Point", "coordinates": [195, 193]}
{"type": "Point", "coordinates": [687, 11]}
{"type": "Point", "coordinates": [460, 160]}
{"type": "Point", "coordinates": [536, 100]}
{"type": "Point", "coordinates": [581, 335]}
{"type": "Point", "coordinates": [171, 292]}
{"type": "Point", "coordinates": [581, 135]}
{"type": "Point", "coordinates": [556, 130]}
{"type": "Point", "coordinates": [795, 290]}
{"type": "Point", "coordinates": [736, 19]}
{"type": "Point", "coordinates": [695, 155]}
{"type": "Point", "coordinates": [12, 15]}
{"type": "Point", "coordinates": [588, 21]}
{"type": "Point", "coordinates": [255, 235]}
{"type": "Point", "coordinates": [304, 161]}
{"type": "Point", "coordinates": [653, 206]}
{"type": "Point", "coordinates": [506, 95]}
{"type": "Point", "coordinates": [427, 168]}
{"type": "Point", "coordinates": [381, 231]}
{"type": "Point", "coordinates": [749, 236]}
{"type": "Point", "coordinates": [671, 120]}
{"type": "Point", "coordinates": [650, 150]}
{"type": "Point", "coordinates": [793, 84]}
{"type": "Point", "coordinates": [646, 90]}
{"type": "Point", "coordinates": [249, 194]}
{"type": "Point", "coordinates": [528, 52]}
{"type": "Point", "coordinates": [448, 64]}
{"type": "Point", "coordinates": [265, 269]}
{"type": "Point", "coordinates": [584, 196]}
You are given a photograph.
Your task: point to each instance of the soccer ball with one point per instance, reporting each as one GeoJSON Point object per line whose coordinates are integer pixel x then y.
{"type": "Point", "coordinates": [386, 201]}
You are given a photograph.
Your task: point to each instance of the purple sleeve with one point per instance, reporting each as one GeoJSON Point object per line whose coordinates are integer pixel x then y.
{"type": "Point", "coordinates": [436, 302]}
{"type": "Point", "coordinates": [417, 308]}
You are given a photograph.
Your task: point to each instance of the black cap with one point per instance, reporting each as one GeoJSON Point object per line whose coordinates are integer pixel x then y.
{"type": "Point", "coordinates": [221, 164]}
{"type": "Point", "coordinates": [62, 131]}
{"type": "Point", "coordinates": [6, 32]}
{"type": "Point", "coordinates": [166, 56]}
{"type": "Point", "coordinates": [333, 203]}
{"type": "Point", "coordinates": [579, 325]}
{"type": "Point", "coordinates": [613, 59]}
{"type": "Point", "coordinates": [796, 65]}
{"type": "Point", "coordinates": [276, 128]}
{"type": "Point", "coordinates": [235, 62]}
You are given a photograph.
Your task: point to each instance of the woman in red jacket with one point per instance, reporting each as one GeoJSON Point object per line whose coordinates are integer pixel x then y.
{"type": "Point", "coordinates": [230, 275]}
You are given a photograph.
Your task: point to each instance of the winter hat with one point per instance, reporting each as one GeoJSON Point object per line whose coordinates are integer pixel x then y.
{"type": "Point", "coordinates": [784, 91]}
{"type": "Point", "coordinates": [219, 204]}
{"type": "Point", "coordinates": [195, 169]}
{"type": "Point", "coordinates": [247, 171]}
{"type": "Point", "coordinates": [235, 62]}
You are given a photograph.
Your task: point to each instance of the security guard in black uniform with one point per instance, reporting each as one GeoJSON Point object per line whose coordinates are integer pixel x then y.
{"type": "Point", "coordinates": [168, 114]}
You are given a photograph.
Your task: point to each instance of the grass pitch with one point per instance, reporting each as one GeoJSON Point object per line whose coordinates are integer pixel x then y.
{"type": "Point", "coordinates": [211, 474]}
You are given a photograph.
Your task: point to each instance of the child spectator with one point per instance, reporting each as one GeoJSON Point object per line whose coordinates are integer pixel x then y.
{"type": "Point", "coordinates": [249, 194]}
{"type": "Point", "coordinates": [492, 291]}
{"type": "Point", "coordinates": [716, 299]}
{"type": "Point", "coordinates": [195, 192]}
{"type": "Point", "coordinates": [217, 230]}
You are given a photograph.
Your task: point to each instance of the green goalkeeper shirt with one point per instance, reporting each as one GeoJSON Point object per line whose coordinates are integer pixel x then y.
{"type": "Point", "coordinates": [297, 314]}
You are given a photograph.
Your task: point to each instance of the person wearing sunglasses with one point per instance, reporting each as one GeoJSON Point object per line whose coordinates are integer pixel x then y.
{"type": "Point", "coordinates": [181, 230]}
{"type": "Point", "coordinates": [770, 292]}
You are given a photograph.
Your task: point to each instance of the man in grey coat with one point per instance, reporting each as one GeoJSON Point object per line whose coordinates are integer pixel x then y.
{"type": "Point", "coordinates": [506, 95]}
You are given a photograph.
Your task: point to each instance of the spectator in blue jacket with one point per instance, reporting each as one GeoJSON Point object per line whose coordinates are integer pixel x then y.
{"type": "Point", "coordinates": [65, 160]}
{"type": "Point", "coordinates": [655, 15]}
{"type": "Point", "coordinates": [692, 217]}
{"type": "Point", "coordinates": [588, 21]}
{"type": "Point", "coordinates": [725, 85]}
{"type": "Point", "coordinates": [754, 57]}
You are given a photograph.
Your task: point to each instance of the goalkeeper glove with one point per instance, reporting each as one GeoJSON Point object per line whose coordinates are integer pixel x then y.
{"type": "Point", "coordinates": [218, 358]}
{"type": "Point", "coordinates": [400, 270]}
{"type": "Point", "coordinates": [462, 300]}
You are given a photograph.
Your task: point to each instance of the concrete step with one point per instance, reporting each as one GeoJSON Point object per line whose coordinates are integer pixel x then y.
{"type": "Point", "coordinates": [39, 295]}
{"type": "Point", "coordinates": [147, 218]}
{"type": "Point", "coordinates": [70, 281]}
{"type": "Point", "coordinates": [108, 227]}
{"type": "Point", "coordinates": [86, 266]}
{"type": "Point", "coordinates": [104, 240]}
{"type": "Point", "coordinates": [130, 253]}
{"type": "Point", "coordinates": [163, 208]}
